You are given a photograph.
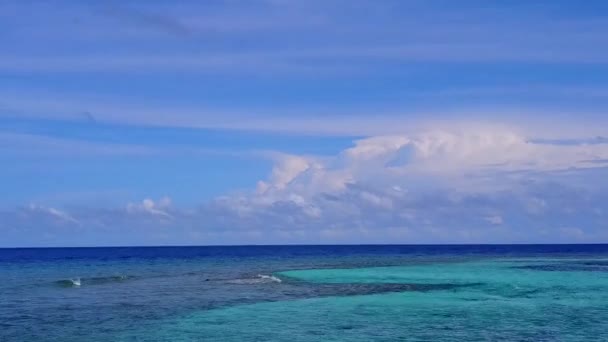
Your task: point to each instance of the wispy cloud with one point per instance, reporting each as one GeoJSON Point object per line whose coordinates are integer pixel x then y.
{"type": "Point", "coordinates": [259, 37]}
{"type": "Point", "coordinates": [541, 122]}
{"type": "Point", "coordinates": [36, 145]}
{"type": "Point", "coordinates": [325, 61]}
{"type": "Point", "coordinates": [49, 212]}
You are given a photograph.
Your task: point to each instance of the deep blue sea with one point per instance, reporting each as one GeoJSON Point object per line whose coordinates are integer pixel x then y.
{"type": "Point", "coordinates": [306, 293]}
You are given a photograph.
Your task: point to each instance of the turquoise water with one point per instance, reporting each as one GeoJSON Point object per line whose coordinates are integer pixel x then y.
{"type": "Point", "coordinates": [324, 295]}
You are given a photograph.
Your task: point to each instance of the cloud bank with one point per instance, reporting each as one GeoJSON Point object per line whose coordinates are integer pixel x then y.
{"type": "Point", "coordinates": [450, 185]}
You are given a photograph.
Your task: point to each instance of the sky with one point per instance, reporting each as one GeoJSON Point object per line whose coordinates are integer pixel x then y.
{"type": "Point", "coordinates": [227, 122]}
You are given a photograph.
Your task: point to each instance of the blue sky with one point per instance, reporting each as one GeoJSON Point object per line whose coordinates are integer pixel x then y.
{"type": "Point", "coordinates": [277, 121]}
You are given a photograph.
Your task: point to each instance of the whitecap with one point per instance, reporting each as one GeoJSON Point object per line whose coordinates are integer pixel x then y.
{"type": "Point", "coordinates": [270, 278]}
{"type": "Point", "coordinates": [259, 279]}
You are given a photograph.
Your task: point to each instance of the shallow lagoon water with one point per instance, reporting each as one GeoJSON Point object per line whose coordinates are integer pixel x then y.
{"type": "Point", "coordinates": [363, 293]}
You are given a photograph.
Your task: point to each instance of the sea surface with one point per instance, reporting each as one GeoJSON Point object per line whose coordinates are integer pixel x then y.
{"type": "Point", "coordinates": [306, 293]}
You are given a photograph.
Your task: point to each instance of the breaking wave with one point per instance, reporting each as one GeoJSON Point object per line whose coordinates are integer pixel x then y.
{"type": "Point", "coordinates": [259, 279]}
{"type": "Point", "coordinates": [78, 282]}
{"type": "Point", "coordinates": [72, 282]}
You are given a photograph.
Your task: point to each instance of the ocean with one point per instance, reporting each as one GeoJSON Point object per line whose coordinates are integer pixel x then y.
{"type": "Point", "coordinates": [306, 293]}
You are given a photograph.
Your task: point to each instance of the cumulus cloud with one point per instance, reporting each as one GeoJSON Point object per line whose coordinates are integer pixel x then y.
{"type": "Point", "coordinates": [442, 185]}
{"type": "Point", "coordinates": [399, 163]}
{"type": "Point", "coordinates": [147, 206]}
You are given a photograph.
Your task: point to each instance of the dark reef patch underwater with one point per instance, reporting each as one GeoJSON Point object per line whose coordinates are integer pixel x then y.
{"type": "Point", "coordinates": [306, 293]}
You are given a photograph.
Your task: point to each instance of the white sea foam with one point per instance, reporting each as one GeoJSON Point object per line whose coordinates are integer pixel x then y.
{"type": "Point", "coordinates": [270, 278]}
{"type": "Point", "coordinates": [259, 279]}
{"type": "Point", "coordinates": [76, 281]}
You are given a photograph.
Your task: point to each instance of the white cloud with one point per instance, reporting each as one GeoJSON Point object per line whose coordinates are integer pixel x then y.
{"type": "Point", "coordinates": [440, 185]}
{"type": "Point", "coordinates": [148, 206]}
{"type": "Point", "coordinates": [288, 167]}
{"type": "Point", "coordinates": [55, 214]}
{"type": "Point", "coordinates": [394, 164]}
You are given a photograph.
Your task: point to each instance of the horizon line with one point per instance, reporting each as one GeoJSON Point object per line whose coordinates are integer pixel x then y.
{"type": "Point", "coordinates": [319, 245]}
